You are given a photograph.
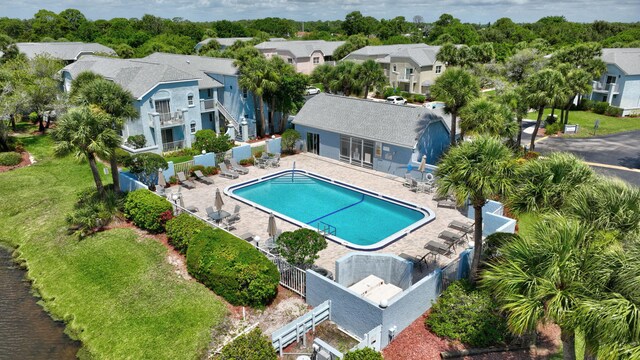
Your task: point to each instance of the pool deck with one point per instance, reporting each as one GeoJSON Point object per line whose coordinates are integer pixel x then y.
{"type": "Point", "coordinates": [255, 221]}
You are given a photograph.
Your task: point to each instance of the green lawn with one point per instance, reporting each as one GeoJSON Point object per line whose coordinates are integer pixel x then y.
{"type": "Point", "coordinates": [115, 290]}
{"type": "Point", "coordinates": [179, 159]}
{"type": "Point", "coordinates": [586, 120]}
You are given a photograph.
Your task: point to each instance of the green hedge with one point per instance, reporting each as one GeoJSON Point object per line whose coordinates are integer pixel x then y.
{"type": "Point", "coordinates": [232, 268]}
{"type": "Point", "coordinates": [122, 157]}
{"type": "Point", "coordinates": [469, 315]}
{"type": "Point", "coordinates": [10, 158]}
{"type": "Point", "coordinates": [363, 354]}
{"type": "Point", "coordinates": [182, 229]}
{"type": "Point", "coordinates": [250, 346]}
{"type": "Point", "coordinates": [146, 209]}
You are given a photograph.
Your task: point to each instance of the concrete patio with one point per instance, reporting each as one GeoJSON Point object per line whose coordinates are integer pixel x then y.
{"type": "Point", "coordinates": [255, 221]}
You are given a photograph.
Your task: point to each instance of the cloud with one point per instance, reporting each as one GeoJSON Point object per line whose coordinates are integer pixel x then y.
{"type": "Point", "coordinates": [479, 11]}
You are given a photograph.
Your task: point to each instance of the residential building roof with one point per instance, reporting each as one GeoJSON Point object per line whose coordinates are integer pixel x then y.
{"type": "Point", "coordinates": [301, 48]}
{"type": "Point", "coordinates": [137, 76]}
{"type": "Point", "coordinates": [198, 66]}
{"type": "Point", "coordinates": [68, 51]}
{"type": "Point", "coordinates": [398, 125]}
{"type": "Point", "coordinates": [627, 59]}
{"type": "Point", "coordinates": [230, 41]}
{"type": "Point", "coordinates": [421, 54]}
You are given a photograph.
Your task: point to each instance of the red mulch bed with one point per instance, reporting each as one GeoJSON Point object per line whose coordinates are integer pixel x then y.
{"type": "Point", "coordinates": [25, 162]}
{"type": "Point", "coordinates": [262, 139]}
{"type": "Point", "coordinates": [416, 342]}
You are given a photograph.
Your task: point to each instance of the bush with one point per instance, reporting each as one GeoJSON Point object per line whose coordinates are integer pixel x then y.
{"type": "Point", "coordinates": [145, 209]}
{"type": "Point", "coordinates": [301, 247]}
{"type": "Point", "coordinates": [33, 117]}
{"type": "Point", "coordinates": [209, 141]}
{"type": "Point", "coordinates": [173, 180]}
{"type": "Point", "coordinates": [245, 162]}
{"type": "Point", "coordinates": [145, 167]}
{"type": "Point", "coordinates": [289, 138]}
{"type": "Point", "coordinates": [232, 268]}
{"type": "Point", "coordinates": [122, 157]}
{"type": "Point", "coordinates": [211, 170]}
{"type": "Point", "coordinates": [552, 129]}
{"type": "Point", "coordinates": [469, 315]}
{"type": "Point", "coordinates": [363, 354]}
{"type": "Point", "coordinates": [419, 98]}
{"type": "Point", "coordinates": [550, 120]}
{"type": "Point", "coordinates": [10, 158]}
{"type": "Point", "coordinates": [388, 91]}
{"type": "Point", "coordinates": [137, 141]}
{"type": "Point", "coordinates": [585, 104]}
{"type": "Point", "coordinates": [181, 229]}
{"type": "Point", "coordinates": [250, 346]}
{"type": "Point", "coordinates": [600, 107]}
{"type": "Point", "coordinates": [92, 212]}
{"type": "Point", "coordinates": [613, 111]}
{"type": "Point", "coordinates": [195, 168]}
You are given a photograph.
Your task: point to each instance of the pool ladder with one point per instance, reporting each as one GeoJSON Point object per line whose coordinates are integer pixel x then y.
{"type": "Point", "coordinates": [326, 229]}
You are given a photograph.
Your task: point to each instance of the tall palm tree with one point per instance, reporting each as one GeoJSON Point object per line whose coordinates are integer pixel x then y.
{"type": "Point", "coordinates": [323, 74]}
{"type": "Point", "coordinates": [456, 87]}
{"type": "Point", "coordinates": [483, 116]}
{"type": "Point", "coordinates": [546, 275]}
{"type": "Point", "coordinates": [115, 102]}
{"type": "Point", "coordinates": [345, 78]}
{"type": "Point", "coordinates": [259, 78]}
{"type": "Point", "coordinates": [86, 131]}
{"type": "Point", "coordinates": [515, 99]}
{"type": "Point", "coordinates": [476, 171]}
{"type": "Point", "coordinates": [543, 88]}
{"type": "Point", "coordinates": [370, 75]}
{"type": "Point", "coordinates": [577, 81]}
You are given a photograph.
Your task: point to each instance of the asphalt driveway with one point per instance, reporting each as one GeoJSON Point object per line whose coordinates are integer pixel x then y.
{"type": "Point", "coordinates": [620, 151]}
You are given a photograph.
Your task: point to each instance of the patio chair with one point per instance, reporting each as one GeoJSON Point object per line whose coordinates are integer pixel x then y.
{"type": "Point", "coordinates": [204, 179]}
{"type": "Point", "coordinates": [407, 180]}
{"type": "Point", "coordinates": [451, 237]}
{"type": "Point", "coordinates": [233, 218]}
{"type": "Point", "coordinates": [275, 161]}
{"type": "Point", "coordinates": [209, 210]}
{"type": "Point", "coordinates": [228, 174]}
{"type": "Point", "coordinates": [448, 203]}
{"type": "Point", "coordinates": [184, 182]}
{"type": "Point", "coordinates": [233, 165]}
{"type": "Point", "coordinates": [413, 186]}
{"type": "Point", "coordinates": [464, 226]}
{"type": "Point", "coordinates": [260, 162]}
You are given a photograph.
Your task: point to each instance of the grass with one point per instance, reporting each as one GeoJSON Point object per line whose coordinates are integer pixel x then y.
{"type": "Point", "coordinates": [179, 159]}
{"type": "Point", "coordinates": [586, 120]}
{"type": "Point", "coordinates": [114, 290]}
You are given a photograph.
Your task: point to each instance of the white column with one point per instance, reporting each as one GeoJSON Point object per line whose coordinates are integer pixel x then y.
{"type": "Point", "coordinates": [244, 126]}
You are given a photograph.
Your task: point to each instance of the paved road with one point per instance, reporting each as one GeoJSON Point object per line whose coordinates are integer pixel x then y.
{"type": "Point", "coordinates": [620, 151]}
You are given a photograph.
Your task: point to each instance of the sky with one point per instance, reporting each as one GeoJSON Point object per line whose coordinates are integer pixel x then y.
{"type": "Point", "coordinates": [474, 11]}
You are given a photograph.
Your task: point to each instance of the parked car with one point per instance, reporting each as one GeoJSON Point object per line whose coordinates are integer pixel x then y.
{"type": "Point", "coordinates": [396, 100]}
{"type": "Point", "coordinates": [312, 91]}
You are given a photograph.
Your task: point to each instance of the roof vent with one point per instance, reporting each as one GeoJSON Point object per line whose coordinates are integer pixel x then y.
{"type": "Point", "coordinates": [188, 62]}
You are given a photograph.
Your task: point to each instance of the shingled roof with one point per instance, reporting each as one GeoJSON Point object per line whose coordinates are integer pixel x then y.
{"type": "Point", "coordinates": [137, 76]}
{"type": "Point", "coordinates": [68, 51]}
{"type": "Point", "coordinates": [398, 125]}
{"type": "Point", "coordinates": [627, 59]}
{"type": "Point", "coordinates": [301, 48]}
{"type": "Point", "coordinates": [421, 54]}
{"type": "Point", "coordinates": [198, 66]}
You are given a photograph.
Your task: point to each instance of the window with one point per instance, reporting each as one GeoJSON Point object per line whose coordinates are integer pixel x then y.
{"type": "Point", "coordinates": [395, 68]}
{"type": "Point", "coordinates": [356, 151]}
{"type": "Point", "coordinates": [190, 99]}
{"type": "Point", "coordinates": [209, 93]}
{"type": "Point", "coordinates": [163, 108]}
{"type": "Point", "coordinates": [438, 69]}
{"type": "Point", "coordinates": [193, 127]}
{"type": "Point", "coordinates": [316, 60]}
{"type": "Point", "coordinates": [290, 60]}
{"type": "Point", "coordinates": [244, 93]}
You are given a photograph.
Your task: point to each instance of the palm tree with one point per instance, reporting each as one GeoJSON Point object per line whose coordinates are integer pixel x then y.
{"type": "Point", "coordinates": [546, 275]}
{"type": "Point", "coordinates": [515, 99]}
{"type": "Point", "coordinates": [543, 88]}
{"type": "Point", "coordinates": [86, 131]}
{"type": "Point", "coordinates": [577, 81]}
{"type": "Point", "coordinates": [456, 87]}
{"type": "Point", "coordinates": [323, 74]}
{"type": "Point", "coordinates": [483, 116]}
{"type": "Point", "coordinates": [370, 75]}
{"type": "Point", "coordinates": [259, 78]}
{"type": "Point", "coordinates": [476, 171]}
{"type": "Point", "coordinates": [344, 79]}
{"type": "Point", "coordinates": [113, 100]}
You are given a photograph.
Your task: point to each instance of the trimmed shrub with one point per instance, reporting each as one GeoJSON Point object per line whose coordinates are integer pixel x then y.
{"type": "Point", "coordinates": [600, 107]}
{"type": "Point", "coordinates": [232, 268]}
{"type": "Point", "coordinates": [289, 138]}
{"type": "Point", "coordinates": [552, 129]}
{"type": "Point", "coordinates": [10, 158]}
{"type": "Point", "coordinates": [245, 162]}
{"type": "Point", "coordinates": [419, 98]}
{"type": "Point", "coordinates": [363, 354]}
{"type": "Point", "coordinates": [250, 346]}
{"type": "Point", "coordinates": [550, 120]}
{"type": "Point", "coordinates": [122, 157]}
{"type": "Point", "coordinates": [585, 104]}
{"type": "Point", "coordinates": [613, 111]}
{"type": "Point", "coordinates": [181, 229]}
{"type": "Point", "coordinates": [469, 315]}
{"type": "Point", "coordinates": [301, 247]}
{"type": "Point", "coordinates": [137, 141]}
{"type": "Point", "coordinates": [33, 117]}
{"type": "Point", "coordinates": [195, 168]}
{"type": "Point", "coordinates": [209, 141]}
{"type": "Point", "coordinates": [146, 209]}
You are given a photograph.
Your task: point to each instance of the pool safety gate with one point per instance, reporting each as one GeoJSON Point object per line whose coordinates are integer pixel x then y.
{"type": "Point", "coordinates": [297, 329]}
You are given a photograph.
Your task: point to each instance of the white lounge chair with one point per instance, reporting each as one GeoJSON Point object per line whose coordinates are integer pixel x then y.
{"type": "Point", "coordinates": [224, 172]}
{"type": "Point", "coordinates": [204, 179]}
{"type": "Point", "coordinates": [184, 182]}
{"type": "Point", "coordinates": [233, 165]}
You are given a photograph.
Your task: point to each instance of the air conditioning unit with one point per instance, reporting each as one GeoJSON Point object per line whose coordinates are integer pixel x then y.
{"type": "Point", "coordinates": [323, 355]}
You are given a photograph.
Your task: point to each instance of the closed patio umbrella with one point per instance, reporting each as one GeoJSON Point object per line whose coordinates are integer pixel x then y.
{"type": "Point", "coordinates": [423, 164]}
{"type": "Point", "coordinates": [181, 200]}
{"type": "Point", "coordinates": [272, 230]}
{"type": "Point", "coordinates": [218, 201]}
{"type": "Point", "coordinates": [161, 180]}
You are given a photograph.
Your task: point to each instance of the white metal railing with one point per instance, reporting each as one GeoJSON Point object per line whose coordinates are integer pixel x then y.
{"type": "Point", "coordinates": [598, 86]}
{"type": "Point", "coordinates": [291, 277]}
{"type": "Point", "coordinates": [207, 104]}
{"type": "Point", "coordinates": [183, 167]}
{"type": "Point", "coordinates": [173, 145]}
{"type": "Point", "coordinates": [227, 115]}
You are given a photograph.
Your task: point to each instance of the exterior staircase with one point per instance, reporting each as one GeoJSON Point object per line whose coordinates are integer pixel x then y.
{"type": "Point", "coordinates": [232, 120]}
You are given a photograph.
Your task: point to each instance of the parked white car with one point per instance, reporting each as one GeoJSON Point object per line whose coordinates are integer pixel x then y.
{"type": "Point", "coordinates": [312, 91]}
{"type": "Point", "coordinates": [399, 100]}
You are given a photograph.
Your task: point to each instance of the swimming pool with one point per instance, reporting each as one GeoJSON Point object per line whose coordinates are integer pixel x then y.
{"type": "Point", "coordinates": [355, 217]}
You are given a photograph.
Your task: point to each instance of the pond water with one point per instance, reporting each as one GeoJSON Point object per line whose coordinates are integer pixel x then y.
{"type": "Point", "coordinates": [26, 330]}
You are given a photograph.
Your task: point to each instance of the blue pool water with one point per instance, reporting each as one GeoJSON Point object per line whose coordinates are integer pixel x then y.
{"type": "Point", "coordinates": [358, 218]}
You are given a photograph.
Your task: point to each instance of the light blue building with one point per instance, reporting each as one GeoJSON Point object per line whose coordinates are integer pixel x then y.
{"type": "Point", "coordinates": [176, 95]}
{"type": "Point", "coordinates": [374, 135]}
{"type": "Point", "coordinates": [620, 84]}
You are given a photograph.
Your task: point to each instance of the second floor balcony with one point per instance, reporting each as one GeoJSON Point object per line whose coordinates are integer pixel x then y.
{"type": "Point", "coordinates": [167, 119]}
{"type": "Point", "coordinates": [605, 87]}
{"type": "Point", "coordinates": [207, 105]}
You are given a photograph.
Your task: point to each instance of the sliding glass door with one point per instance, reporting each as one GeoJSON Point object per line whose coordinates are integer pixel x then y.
{"type": "Point", "coordinates": [356, 151]}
